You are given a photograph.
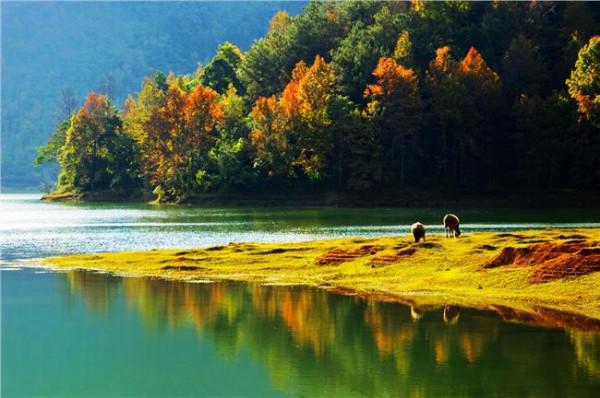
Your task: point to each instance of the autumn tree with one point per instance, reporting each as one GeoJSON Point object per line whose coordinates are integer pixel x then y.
{"type": "Point", "coordinates": [395, 96]}
{"type": "Point", "coordinates": [357, 55]}
{"type": "Point", "coordinates": [179, 135]}
{"type": "Point", "coordinates": [464, 98]}
{"type": "Point", "coordinates": [268, 138]}
{"type": "Point", "coordinates": [97, 155]}
{"type": "Point", "coordinates": [315, 90]}
{"type": "Point", "coordinates": [297, 124]}
{"type": "Point", "coordinates": [481, 132]}
{"type": "Point", "coordinates": [444, 92]}
{"type": "Point", "coordinates": [136, 112]}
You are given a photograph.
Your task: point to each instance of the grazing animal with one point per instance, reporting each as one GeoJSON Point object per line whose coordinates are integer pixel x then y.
{"type": "Point", "coordinates": [452, 225]}
{"type": "Point", "coordinates": [418, 231]}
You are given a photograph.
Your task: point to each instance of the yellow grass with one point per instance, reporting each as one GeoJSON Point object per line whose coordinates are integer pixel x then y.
{"type": "Point", "coordinates": [439, 271]}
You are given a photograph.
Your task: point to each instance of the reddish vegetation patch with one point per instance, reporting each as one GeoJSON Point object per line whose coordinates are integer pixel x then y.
{"type": "Point", "coordinates": [338, 256]}
{"type": "Point", "coordinates": [388, 259]}
{"type": "Point", "coordinates": [582, 262]}
{"type": "Point", "coordinates": [507, 256]}
{"type": "Point", "coordinates": [552, 260]}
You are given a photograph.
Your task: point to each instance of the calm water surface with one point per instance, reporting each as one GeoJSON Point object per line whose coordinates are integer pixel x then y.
{"type": "Point", "coordinates": [81, 334]}
{"type": "Point", "coordinates": [93, 335]}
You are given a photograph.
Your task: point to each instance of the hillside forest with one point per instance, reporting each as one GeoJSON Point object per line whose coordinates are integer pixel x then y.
{"type": "Point", "coordinates": [360, 97]}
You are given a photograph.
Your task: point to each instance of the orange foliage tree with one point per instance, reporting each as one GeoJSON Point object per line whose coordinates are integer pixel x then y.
{"type": "Point", "coordinates": [300, 117]}
{"type": "Point", "coordinates": [268, 138]}
{"type": "Point", "coordinates": [179, 134]}
{"type": "Point", "coordinates": [395, 99]}
{"type": "Point", "coordinates": [463, 96]}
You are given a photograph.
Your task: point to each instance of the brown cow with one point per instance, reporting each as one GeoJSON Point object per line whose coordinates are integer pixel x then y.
{"type": "Point", "coordinates": [452, 225]}
{"type": "Point", "coordinates": [418, 231]}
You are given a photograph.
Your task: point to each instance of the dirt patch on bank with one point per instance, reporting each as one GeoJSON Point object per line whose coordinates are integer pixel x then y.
{"type": "Point", "coordinates": [337, 255]}
{"type": "Point", "coordinates": [552, 261]}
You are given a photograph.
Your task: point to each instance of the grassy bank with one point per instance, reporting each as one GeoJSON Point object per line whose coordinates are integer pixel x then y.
{"type": "Point", "coordinates": [525, 270]}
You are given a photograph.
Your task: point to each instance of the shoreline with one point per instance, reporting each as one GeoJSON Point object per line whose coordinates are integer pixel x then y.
{"type": "Point", "coordinates": [407, 198]}
{"type": "Point", "coordinates": [523, 275]}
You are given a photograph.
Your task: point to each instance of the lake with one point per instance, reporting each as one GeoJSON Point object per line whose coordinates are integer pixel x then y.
{"type": "Point", "coordinates": [85, 334]}
{"type": "Point", "coordinates": [30, 228]}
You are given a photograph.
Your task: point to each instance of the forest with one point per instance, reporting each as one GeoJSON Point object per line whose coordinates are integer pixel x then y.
{"type": "Point", "coordinates": [360, 97]}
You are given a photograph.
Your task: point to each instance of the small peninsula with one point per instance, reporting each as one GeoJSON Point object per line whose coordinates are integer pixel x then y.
{"type": "Point", "coordinates": [555, 269]}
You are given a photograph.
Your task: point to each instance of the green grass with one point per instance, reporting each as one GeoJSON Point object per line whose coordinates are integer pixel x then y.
{"type": "Point", "coordinates": [439, 271]}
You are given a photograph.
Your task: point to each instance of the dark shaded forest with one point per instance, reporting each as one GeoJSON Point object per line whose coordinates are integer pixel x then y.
{"type": "Point", "coordinates": [360, 97]}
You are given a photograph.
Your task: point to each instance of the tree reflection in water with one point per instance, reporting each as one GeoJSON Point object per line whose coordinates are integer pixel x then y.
{"type": "Point", "coordinates": [315, 343]}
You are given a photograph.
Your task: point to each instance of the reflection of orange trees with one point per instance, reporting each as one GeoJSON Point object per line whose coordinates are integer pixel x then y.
{"type": "Point", "coordinates": [173, 303]}
{"type": "Point", "coordinates": [393, 332]}
{"type": "Point", "coordinates": [307, 316]}
{"type": "Point", "coordinates": [466, 341]}
{"type": "Point", "coordinates": [319, 344]}
{"type": "Point", "coordinates": [160, 302]}
{"type": "Point", "coordinates": [390, 330]}
{"type": "Point", "coordinates": [97, 290]}
{"type": "Point", "coordinates": [587, 350]}
{"type": "Point", "coordinates": [264, 301]}
{"type": "Point", "coordinates": [472, 345]}
{"type": "Point", "coordinates": [304, 312]}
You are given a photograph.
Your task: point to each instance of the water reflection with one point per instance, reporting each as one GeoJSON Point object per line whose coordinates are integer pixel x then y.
{"type": "Point", "coordinates": [96, 289]}
{"type": "Point", "coordinates": [315, 343]}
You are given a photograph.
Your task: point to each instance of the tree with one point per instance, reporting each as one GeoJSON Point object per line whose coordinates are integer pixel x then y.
{"type": "Point", "coordinates": [268, 138]}
{"type": "Point", "coordinates": [50, 152]}
{"type": "Point", "coordinates": [464, 98]}
{"type": "Point", "coordinates": [444, 94]}
{"type": "Point", "coordinates": [584, 82]}
{"type": "Point", "coordinates": [480, 135]}
{"type": "Point", "coordinates": [221, 71]}
{"type": "Point", "coordinates": [364, 164]}
{"type": "Point", "coordinates": [523, 69]}
{"type": "Point", "coordinates": [403, 52]}
{"type": "Point", "coordinates": [267, 65]}
{"type": "Point", "coordinates": [315, 90]}
{"type": "Point", "coordinates": [96, 154]}
{"type": "Point", "coordinates": [136, 112]}
{"type": "Point", "coordinates": [180, 133]}
{"type": "Point", "coordinates": [545, 136]}
{"type": "Point", "coordinates": [358, 53]}
{"type": "Point", "coordinates": [395, 96]}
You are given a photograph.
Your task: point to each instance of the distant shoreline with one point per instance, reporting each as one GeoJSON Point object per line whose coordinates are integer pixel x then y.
{"type": "Point", "coordinates": [531, 272]}
{"type": "Point", "coordinates": [408, 198]}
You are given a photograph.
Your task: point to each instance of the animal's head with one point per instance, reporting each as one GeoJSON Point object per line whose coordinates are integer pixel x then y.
{"type": "Point", "coordinates": [457, 232]}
